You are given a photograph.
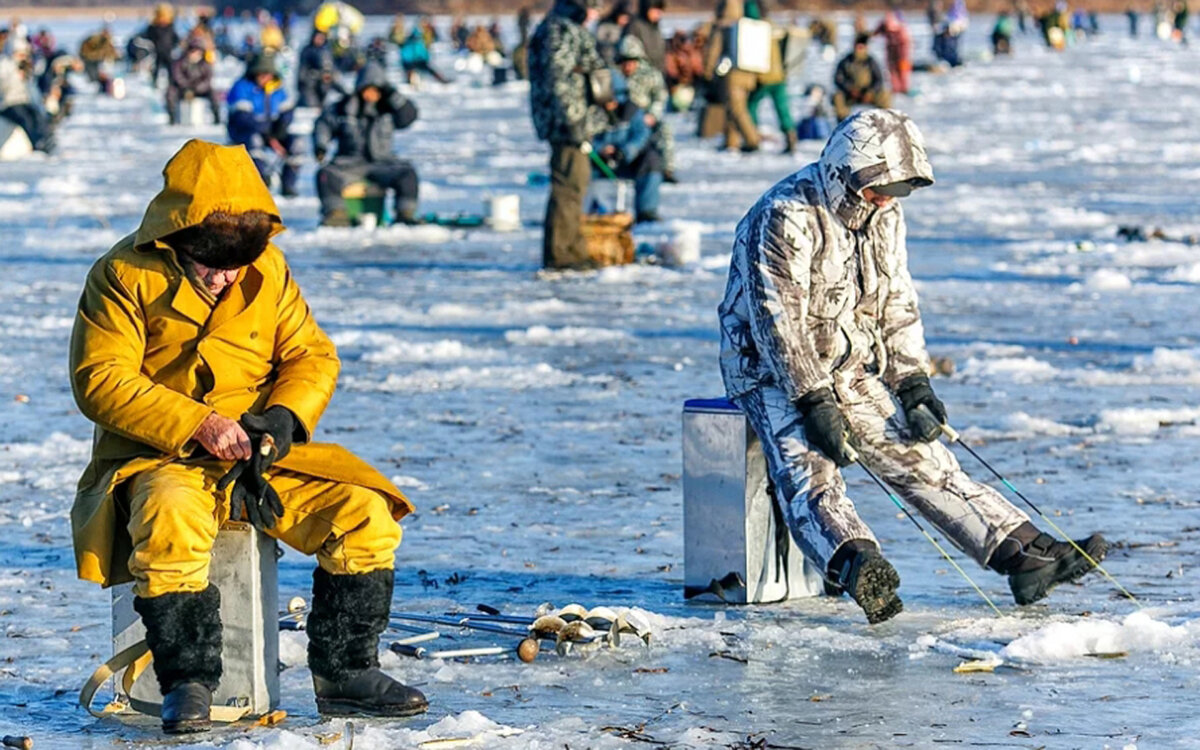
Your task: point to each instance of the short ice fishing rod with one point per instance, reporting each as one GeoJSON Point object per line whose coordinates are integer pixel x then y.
{"type": "Point", "coordinates": [853, 455]}
{"type": "Point", "coordinates": [953, 436]}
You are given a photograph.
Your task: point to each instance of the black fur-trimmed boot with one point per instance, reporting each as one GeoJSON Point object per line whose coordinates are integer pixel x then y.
{"type": "Point", "coordinates": [1035, 562]}
{"type": "Point", "coordinates": [863, 573]}
{"type": "Point", "coordinates": [183, 631]}
{"type": "Point", "coordinates": [349, 612]}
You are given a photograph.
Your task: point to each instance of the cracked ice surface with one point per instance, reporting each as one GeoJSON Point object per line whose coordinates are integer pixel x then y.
{"type": "Point", "coordinates": [535, 422]}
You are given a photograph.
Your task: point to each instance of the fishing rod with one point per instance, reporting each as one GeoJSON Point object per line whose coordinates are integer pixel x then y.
{"type": "Point", "coordinates": [853, 455]}
{"type": "Point", "coordinates": [953, 436]}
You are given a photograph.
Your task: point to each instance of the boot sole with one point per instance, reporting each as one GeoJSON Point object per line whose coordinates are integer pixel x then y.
{"type": "Point", "coordinates": [329, 707]}
{"type": "Point", "coordinates": [187, 726]}
{"type": "Point", "coordinates": [875, 590]}
{"type": "Point", "coordinates": [1067, 570]}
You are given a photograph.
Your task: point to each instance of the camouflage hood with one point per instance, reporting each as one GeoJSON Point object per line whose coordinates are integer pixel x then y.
{"type": "Point", "coordinates": [869, 149]}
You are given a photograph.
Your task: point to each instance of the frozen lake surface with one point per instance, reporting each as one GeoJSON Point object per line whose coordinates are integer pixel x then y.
{"type": "Point", "coordinates": [536, 423]}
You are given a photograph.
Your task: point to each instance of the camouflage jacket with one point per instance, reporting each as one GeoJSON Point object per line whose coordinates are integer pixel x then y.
{"type": "Point", "coordinates": [819, 288]}
{"type": "Point", "coordinates": [647, 90]}
{"type": "Point", "coordinates": [561, 54]}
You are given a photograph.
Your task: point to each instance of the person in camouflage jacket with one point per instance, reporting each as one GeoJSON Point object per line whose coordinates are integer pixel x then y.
{"type": "Point", "coordinates": [823, 349]}
{"type": "Point", "coordinates": [562, 56]}
{"type": "Point", "coordinates": [648, 92]}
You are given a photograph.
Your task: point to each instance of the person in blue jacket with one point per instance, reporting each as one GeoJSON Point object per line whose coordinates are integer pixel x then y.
{"type": "Point", "coordinates": [629, 151]}
{"type": "Point", "coordinates": [414, 58]}
{"type": "Point", "coordinates": [259, 117]}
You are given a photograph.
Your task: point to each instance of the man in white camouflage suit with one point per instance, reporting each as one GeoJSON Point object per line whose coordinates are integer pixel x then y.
{"type": "Point", "coordinates": [822, 347]}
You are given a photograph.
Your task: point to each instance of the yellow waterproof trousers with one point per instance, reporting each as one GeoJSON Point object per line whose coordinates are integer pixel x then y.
{"type": "Point", "coordinates": [175, 511]}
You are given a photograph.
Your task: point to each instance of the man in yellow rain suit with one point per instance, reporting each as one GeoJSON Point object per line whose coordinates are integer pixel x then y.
{"type": "Point", "coordinates": [200, 364]}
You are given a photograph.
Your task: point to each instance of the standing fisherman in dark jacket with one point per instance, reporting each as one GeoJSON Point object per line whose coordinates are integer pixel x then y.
{"type": "Point", "coordinates": [562, 57]}
{"type": "Point", "coordinates": [162, 34]}
{"type": "Point", "coordinates": [315, 78]}
{"type": "Point", "coordinates": [362, 125]}
{"type": "Point", "coordinates": [645, 29]}
{"type": "Point", "coordinates": [191, 76]}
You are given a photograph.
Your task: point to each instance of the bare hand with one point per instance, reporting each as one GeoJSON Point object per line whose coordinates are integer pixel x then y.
{"type": "Point", "coordinates": [223, 438]}
{"type": "Point", "coordinates": [650, 121]}
{"type": "Point", "coordinates": [277, 146]}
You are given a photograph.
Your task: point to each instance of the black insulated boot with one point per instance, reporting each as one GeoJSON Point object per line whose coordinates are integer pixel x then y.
{"type": "Point", "coordinates": [1035, 562]}
{"type": "Point", "coordinates": [183, 632]}
{"type": "Point", "coordinates": [349, 612]}
{"type": "Point", "coordinates": [863, 573]}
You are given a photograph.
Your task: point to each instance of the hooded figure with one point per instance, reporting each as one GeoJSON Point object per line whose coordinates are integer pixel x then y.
{"type": "Point", "coordinates": [191, 76]}
{"type": "Point", "coordinates": [361, 127]}
{"type": "Point", "coordinates": [645, 29]}
{"type": "Point", "coordinates": [260, 116]}
{"type": "Point", "coordinates": [316, 75]}
{"type": "Point", "coordinates": [192, 344]}
{"type": "Point", "coordinates": [822, 343]}
{"type": "Point", "coordinates": [562, 62]}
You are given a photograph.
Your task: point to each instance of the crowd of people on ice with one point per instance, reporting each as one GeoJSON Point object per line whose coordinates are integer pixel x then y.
{"type": "Point", "coordinates": [822, 343]}
{"type": "Point", "coordinates": [649, 74]}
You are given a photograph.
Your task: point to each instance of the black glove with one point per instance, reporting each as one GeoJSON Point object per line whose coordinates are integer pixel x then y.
{"type": "Point", "coordinates": [251, 491]}
{"type": "Point", "coordinates": [824, 427]}
{"type": "Point", "coordinates": [925, 424]}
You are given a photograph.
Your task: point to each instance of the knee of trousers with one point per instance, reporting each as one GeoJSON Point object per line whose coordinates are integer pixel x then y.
{"type": "Point", "coordinates": [172, 528]}
{"type": "Point", "coordinates": [370, 535]}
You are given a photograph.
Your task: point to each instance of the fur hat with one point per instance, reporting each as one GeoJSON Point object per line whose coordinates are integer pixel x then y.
{"type": "Point", "coordinates": [224, 240]}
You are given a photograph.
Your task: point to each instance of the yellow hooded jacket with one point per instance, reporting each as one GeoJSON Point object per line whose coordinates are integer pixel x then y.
{"type": "Point", "coordinates": [151, 357]}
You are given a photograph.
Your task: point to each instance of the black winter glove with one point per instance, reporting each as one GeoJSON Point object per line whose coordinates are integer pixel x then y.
{"type": "Point", "coordinates": [824, 427]}
{"type": "Point", "coordinates": [925, 424]}
{"type": "Point", "coordinates": [270, 440]}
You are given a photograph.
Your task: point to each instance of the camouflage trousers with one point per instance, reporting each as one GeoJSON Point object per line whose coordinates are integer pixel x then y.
{"type": "Point", "coordinates": [663, 139]}
{"type": "Point", "coordinates": [926, 476]}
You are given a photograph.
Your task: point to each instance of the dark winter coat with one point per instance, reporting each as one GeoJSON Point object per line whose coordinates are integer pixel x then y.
{"type": "Point", "coordinates": [315, 61]}
{"type": "Point", "coordinates": [856, 77]}
{"type": "Point", "coordinates": [364, 131]}
{"type": "Point", "coordinates": [195, 77]}
{"type": "Point", "coordinates": [164, 38]}
{"type": "Point", "coordinates": [561, 55]}
{"type": "Point", "coordinates": [648, 33]}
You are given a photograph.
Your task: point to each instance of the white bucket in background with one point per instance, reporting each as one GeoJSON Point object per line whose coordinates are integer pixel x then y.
{"type": "Point", "coordinates": [504, 212]}
{"type": "Point", "coordinates": [14, 144]}
{"type": "Point", "coordinates": [682, 248]}
{"type": "Point", "coordinates": [194, 113]}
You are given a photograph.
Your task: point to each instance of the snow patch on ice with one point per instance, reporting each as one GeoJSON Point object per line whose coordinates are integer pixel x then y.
{"type": "Point", "coordinates": [1025, 425]}
{"type": "Point", "coordinates": [1189, 274]}
{"type": "Point", "coordinates": [1108, 280]}
{"type": "Point", "coordinates": [1063, 641]}
{"type": "Point", "coordinates": [1135, 421]}
{"type": "Point", "coordinates": [405, 482]}
{"type": "Point", "coordinates": [293, 648]}
{"type": "Point", "coordinates": [385, 348]}
{"type": "Point", "coordinates": [568, 336]}
{"type": "Point", "coordinates": [66, 184]}
{"type": "Point", "coordinates": [515, 378]}
{"type": "Point", "coordinates": [1016, 369]}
